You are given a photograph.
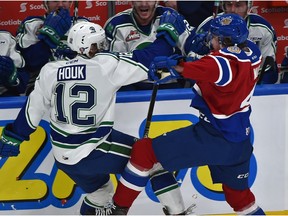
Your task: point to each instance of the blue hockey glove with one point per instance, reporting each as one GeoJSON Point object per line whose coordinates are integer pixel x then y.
{"type": "Point", "coordinates": [9, 142]}
{"type": "Point", "coordinates": [171, 26]}
{"type": "Point", "coordinates": [8, 71]}
{"type": "Point", "coordinates": [199, 44]}
{"type": "Point", "coordinates": [63, 51]}
{"type": "Point", "coordinates": [55, 26]}
{"type": "Point", "coordinates": [161, 68]}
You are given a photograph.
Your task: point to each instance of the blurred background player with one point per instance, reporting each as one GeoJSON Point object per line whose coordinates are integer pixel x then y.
{"type": "Point", "coordinates": [195, 12]}
{"type": "Point", "coordinates": [225, 81]}
{"type": "Point", "coordinates": [42, 38]}
{"type": "Point", "coordinates": [13, 78]}
{"type": "Point", "coordinates": [260, 32]}
{"type": "Point", "coordinates": [81, 109]}
{"type": "Point", "coordinates": [136, 28]}
{"type": "Point", "coordinates": [284, 68]}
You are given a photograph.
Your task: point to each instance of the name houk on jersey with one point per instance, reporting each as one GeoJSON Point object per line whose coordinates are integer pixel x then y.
{"type": "Point", "coordinates": [73, 72]}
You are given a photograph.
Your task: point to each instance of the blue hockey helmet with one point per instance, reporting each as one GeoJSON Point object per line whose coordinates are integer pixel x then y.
{"type": "Point", "coordinates": [230, 26]}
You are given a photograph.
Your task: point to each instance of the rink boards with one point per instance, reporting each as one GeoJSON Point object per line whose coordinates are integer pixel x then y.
{"type": "Point", "coordinates": [31, 183]}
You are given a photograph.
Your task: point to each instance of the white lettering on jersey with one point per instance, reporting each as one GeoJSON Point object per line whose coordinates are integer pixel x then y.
{"type": "Point", "coordinates": [75, 72]}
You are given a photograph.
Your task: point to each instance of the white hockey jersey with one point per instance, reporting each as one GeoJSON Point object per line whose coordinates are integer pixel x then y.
{"type": "Point", "coordinates": [125, 35]}
{"type": "Point", "coordinates": [80, 97]}
{"type": "Point", "coordinates": [27, 32]}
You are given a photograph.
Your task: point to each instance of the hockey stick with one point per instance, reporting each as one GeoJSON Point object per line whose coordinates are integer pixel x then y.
{"type": "Point", "coordinates": [75, 12]}
{"type": "Point", "coordinates": [268, 64]}
{"type": "Point", "coordinates": [216, 8]}
{"type": "Point", "coordinates": [150, 110]}
{"type": "Point", "coordinates": [162, 74]}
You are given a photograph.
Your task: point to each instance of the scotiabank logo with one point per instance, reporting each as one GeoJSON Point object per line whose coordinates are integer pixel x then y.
{"type": "Point", "coordinates": [24, 7]}
{"type": "Point", "coordinates": [286, 23]}
{"type": "Point", "coordinates": [274, 10]}
{"type": "Point", "coordinates": [88, 4]}
{"type": "Point", "coordinates": [282, 38]}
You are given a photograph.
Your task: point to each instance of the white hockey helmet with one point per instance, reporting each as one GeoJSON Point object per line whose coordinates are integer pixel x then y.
{"type": "Point", "coordinates": [83, 34]}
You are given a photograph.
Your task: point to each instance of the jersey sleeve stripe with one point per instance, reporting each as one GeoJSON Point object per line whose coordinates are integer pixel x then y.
{"type": "Point", "coordinates": [225, 72]}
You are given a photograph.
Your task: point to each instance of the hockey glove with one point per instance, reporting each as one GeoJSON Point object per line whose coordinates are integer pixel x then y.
{"type": "Point", "coordinates": [9, 142]}
{"type": "Point", "coordinates": [64, 51]}
{"type": "Point", "coordinates": [55, 26]}
{"type": "Point", "coordinates": [199, 43]}
{"type": "Point", "coordinates": [171, 26]}
{"type": "Point", "coordinates": [8, 72]}
{"type": "Point", "coordinates": [161, 69]}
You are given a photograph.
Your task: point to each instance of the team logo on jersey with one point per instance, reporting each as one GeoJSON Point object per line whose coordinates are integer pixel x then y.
{"type": "Point", "coordinates": [133, 35]}
{"type": "Point", "coordinates": [74, 72]}
{"type": "Point", "coordinates": [110, 28]}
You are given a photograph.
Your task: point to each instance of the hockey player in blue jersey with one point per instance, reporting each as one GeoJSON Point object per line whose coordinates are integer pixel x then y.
{"type": "Point", "coordinates": [261, 33]}
{"type": "Point", "coordinates": [79, 95]}
{"type": "Point", "coordinates": [225, 81]}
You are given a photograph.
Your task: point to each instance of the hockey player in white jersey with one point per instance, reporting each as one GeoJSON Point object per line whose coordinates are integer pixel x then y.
{"type": "Point", "coordinates": [136, 28]}
{"type": "Point", "coordinates": [13, 78]}
{"type": "Point", "coordinates": [80, 95]}
{"type": "Point", "coordinates": [260, 32]}
{"type": "Point", "coordinates": [47, 33]}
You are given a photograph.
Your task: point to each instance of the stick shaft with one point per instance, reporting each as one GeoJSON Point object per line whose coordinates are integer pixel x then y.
{"type": "Point", "coordinates": [268, 61]}
{"type": "Point", "coordinates": [216, 8]}
{"type": "Point", "coordinates": [150, 110]}
{"type": "Point", "coordinates": [75, 12]}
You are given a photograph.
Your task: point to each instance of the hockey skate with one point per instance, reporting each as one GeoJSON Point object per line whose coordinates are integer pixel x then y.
{"type": "Point", "coordinates": [117, 210]}
{"type": "Point", "coordinates": [89, 210]}
{"type": "Point", "coordinates": [188, 211]}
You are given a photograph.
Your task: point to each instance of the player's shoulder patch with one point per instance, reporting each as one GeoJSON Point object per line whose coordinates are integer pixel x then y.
{"type": "Point", "coordinates": [234, 49]}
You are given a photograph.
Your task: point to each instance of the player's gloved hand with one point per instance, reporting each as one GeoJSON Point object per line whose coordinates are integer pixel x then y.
{"type": "Point", "coordinates": [8, 72]}
{"type": "Point", "coordinates": [63, 51]}
{"type": "Point", "coordinates": [55, 26]}
{"type": "Point", "coordinates": [171, 26]}
{"type": "Point", "coordinates": [199, 44]}
{"type": "Point", "coordinates": [161, 68]}
{"type": "Point", "coordinates": [284, 69]}
{"type": "Point", "coordinates": [9, 142]}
